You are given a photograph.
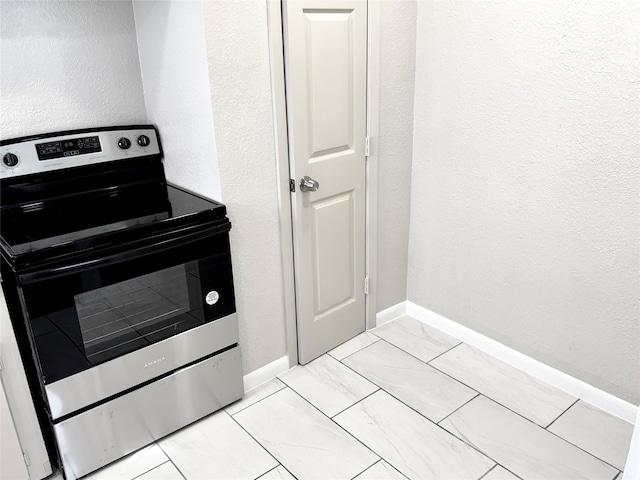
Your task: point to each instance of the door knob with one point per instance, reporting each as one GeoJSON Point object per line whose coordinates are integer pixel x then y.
{"type": "Point", "coordinates": [308, 184]}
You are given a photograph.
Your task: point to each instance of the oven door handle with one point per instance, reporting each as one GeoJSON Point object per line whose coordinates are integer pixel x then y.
{"type": "Point", "coordinates": [122, 256]}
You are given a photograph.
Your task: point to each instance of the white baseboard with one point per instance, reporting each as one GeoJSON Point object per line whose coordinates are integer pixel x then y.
{"type": "Point", "coordinates": [603, 400]}
{"type": "Point", "coordinates": [391, 313]}
{"type": "Point", "coordinates": [266, 373]}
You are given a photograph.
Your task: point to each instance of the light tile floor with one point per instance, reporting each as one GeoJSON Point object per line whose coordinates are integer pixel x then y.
{"type": "Point", "coordinates": [402, 401]}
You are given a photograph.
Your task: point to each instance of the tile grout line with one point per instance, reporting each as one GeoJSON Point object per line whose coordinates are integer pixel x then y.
{"type": "Point", "coordinates": [490, 398]}
{"type": "Point", "coordinates": [585, 451]}
{"type": "Point", "coordinates": [399, 472]}
{"type": "Point", "coordinates": [504, 468]}
{"type": "Point", "coordinates": [347, 408]}
{"type": "Point", "coordinates": [171, 460]}
{"type": "Point", "coordinates": [417, 358]}
{"type": "Point", "coordinates": [511, 472]}
{"type": "Point", "coordinates": [465, 403]}
{"type": "Point", "coordinates": [286, 385]}
{"type": "Point", "coordinates": [409, 406]}
{"type": "Point", "coordinates": [488, 472]}
{"type": "Point", "coordinates": [401, 401]}
{"type": "Point", "coordinates": [541, 427]}
{"type": "Point", "coordinates": [426, 418]}
{"type": "Point", "coordinates": [347, 366]}
{"type": "Point", "coordinates": [429, 420]}
{"type": "Point", "coordinates": [380, 457]}
{"type": "Point", "coordinates": [370, 466]}
{"type": "Point", "coordinates": [385, 391]}
{"type": "Point", "coordinates": [279, 465]}
{"type": "Point", "coordinates": [257, 401]}
{"type": "Point", "coordinates": [565, 411]}
{"type": "Point", "coordinates": [577, 446]}
{"type": "Point", "coordinates": [265, 448]}
{"type": "Point", "coordinates": [340, 426]}
{"type": "Point", "coordinates": [425, 363]}
{"type": "Point", "coordinates": [497, 463]}
{"type": "Point", "coordinates": [357, 351]}
{"type": "Point", "coordinates": [147, 471]}
{"type": "Point", "coordinates": [443, 353]}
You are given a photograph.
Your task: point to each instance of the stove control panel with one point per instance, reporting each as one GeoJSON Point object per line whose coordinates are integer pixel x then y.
{"type": "Point", "coordinates": [66, 150]}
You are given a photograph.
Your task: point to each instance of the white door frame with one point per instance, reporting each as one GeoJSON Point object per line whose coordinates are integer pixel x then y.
{"type": "Point", "coordinates": [276, 54]}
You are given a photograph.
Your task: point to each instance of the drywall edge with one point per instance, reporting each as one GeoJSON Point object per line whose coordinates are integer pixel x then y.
{"type": "Point", "coordinates": [276, 56]}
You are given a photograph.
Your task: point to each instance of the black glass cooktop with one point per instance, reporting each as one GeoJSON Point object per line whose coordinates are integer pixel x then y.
{"type": "Point", "coordinates": [44, 225]}
{"type": "Point", "coordinates": [48, 227]}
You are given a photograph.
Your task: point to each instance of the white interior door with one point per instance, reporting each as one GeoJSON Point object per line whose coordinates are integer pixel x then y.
{"type": "Point", "coordinates": [325, 63]}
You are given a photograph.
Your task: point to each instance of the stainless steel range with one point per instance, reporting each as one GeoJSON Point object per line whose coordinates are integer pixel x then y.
{"type": "Point", "coordinates": [119, 289]}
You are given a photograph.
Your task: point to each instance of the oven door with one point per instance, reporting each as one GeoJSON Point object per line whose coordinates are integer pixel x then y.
{"type": "Point", "coordinates": [105, 325]}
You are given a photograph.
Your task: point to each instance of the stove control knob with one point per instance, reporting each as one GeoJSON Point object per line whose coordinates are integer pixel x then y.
{"type": "Point", "coordinates": [143, 141]}
{"type": "Point", "coordinates": [10, 159]}
{"type": "Point", "coordinates": [124, 143]}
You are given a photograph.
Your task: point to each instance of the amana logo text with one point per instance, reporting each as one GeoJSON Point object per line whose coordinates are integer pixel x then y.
{"type": "Point", "coordinates": [157, 360]}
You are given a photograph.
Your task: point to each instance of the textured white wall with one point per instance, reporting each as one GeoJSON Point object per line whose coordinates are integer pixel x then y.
{"type": "Point", "coordinates": [525, 222]}
{"type": "Point", "coordinates": [238, 56]}
{"type": "Point", "coordinates": [68, 64]}
{"type": "Point", "coordinates": [397, 77]}
{"type": "Point", "coordinates": [173, 60]}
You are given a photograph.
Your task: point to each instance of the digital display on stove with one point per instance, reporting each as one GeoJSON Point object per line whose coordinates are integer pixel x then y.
{"type": "Point", "coordinates": [68, 148]}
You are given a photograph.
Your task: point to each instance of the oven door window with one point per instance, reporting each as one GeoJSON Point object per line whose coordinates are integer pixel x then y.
{"type": "Point", "coordinates": [88, 318]}
{"type": "Point", "coordinates": [111, 317]}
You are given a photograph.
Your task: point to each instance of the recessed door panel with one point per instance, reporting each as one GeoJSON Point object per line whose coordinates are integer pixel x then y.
{"type": "Point", "coordinates": [333, 221]}
{"type": "Point", "coordinates": [330, 66]}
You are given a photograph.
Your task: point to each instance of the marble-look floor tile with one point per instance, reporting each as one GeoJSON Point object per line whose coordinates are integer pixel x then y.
{"type": "Point", "coordinates": [328, 384]}
{"type": "Point", "coordinates": [278, 473]}
{"type": "Point", "coordinates": [513, 388]}
{"type": "Point", "coordinates": [524, 448]}
{"type": "Point", "coordinates": [352, 346]}
{"type": "Point", "coordinates": [304, 440]}
{"type": "Point", "coordinates": [414, 337]}
{"type": "Point", "coordinates": [166, 471]}
{"type": "Point", "coordinates": [132, 465]}
{"type": "Point", "coordinates": [499, 473]}
{"type": "Point", "coordinates": [415, 383]}
{"type": "Point", "coordinates": [255, 395]}
{"type": "Point", "coordinates": [599, 433]}
{"type": "Point", "coordinates": [217, 448]}
{"type": "Point", "coordinates": [409, 442]}
{"type": "Point", "coordinates": [381, 471]}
